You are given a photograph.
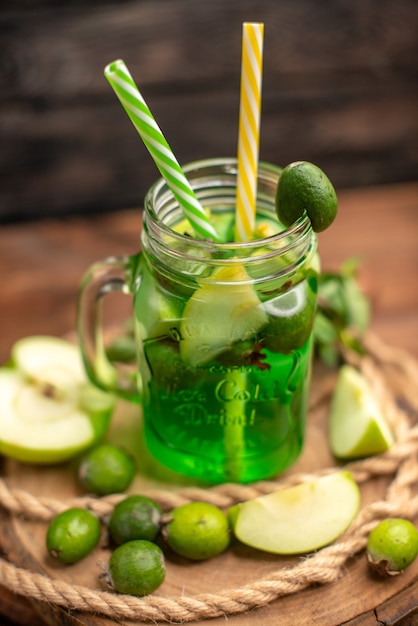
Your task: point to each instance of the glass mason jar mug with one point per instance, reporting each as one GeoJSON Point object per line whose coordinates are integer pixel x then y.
{"type": "Point", "coordinates": [223, 331]}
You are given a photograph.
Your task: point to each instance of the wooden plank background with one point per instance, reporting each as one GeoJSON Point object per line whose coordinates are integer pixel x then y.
{"type": "Point", "coordinates": [339, 88]}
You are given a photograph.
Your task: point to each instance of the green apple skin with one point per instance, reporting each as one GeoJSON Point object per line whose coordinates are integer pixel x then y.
{"type": "Point", "coordinates": [49, 411]}
{"type": "Point", "coordinates": [357, 424]}
{"type": "Point", "coordinates": [300, 519]}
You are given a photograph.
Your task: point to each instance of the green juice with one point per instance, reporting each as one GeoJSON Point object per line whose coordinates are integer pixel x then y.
{"type": "Point", "coordinates": [209, 425]}
{"type": "Point", "coordinates": [225, 387]}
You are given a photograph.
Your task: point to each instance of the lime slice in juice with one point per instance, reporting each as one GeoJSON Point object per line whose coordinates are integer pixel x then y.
{"type": "Point", "coordinates": [291, 317]}
{"type": "Point", "coordinates": [357, 425]}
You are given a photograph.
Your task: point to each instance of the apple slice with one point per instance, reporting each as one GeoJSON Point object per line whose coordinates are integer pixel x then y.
{"type": "Point", "coordinates": [48, 409]}
{"type": "Point", "coordinates": [223, 310]}
{"type": "Point", "coordinates": [357, 426]}
{"type": "Point", "coordinates": [298, 519]}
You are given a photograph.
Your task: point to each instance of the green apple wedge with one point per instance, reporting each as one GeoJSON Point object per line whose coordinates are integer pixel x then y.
{"type": "Point", "coordinates": [224, 309]}
{"type": "Point", "coordinates": [300, 519]}
{"type": "Point", "coordinates": [49, 411]}
{"type": "Point", "coordinates": [357, 425]}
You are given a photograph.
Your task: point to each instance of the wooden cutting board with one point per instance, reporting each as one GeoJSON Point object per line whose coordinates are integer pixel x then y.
{"type": "Point", "coordinates": [355, 598]}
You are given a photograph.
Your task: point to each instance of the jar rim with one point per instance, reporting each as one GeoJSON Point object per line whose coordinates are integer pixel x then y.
{"type": "Point", "coordinates": [199, 171]}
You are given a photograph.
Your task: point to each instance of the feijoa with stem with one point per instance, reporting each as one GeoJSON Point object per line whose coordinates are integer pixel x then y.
{"type": "Point", "coordinates": [73, 534]}
{"type": "Point", "coordinates": [136, 567]}
{"type": "Point", "coordinates": [106, 469]}
{"type": "Point", "coordinates": [392, 546]}
{"type": "Point", "coordinates": [135, 517]}
{"type": "Point", "coordinates": [302, 187]}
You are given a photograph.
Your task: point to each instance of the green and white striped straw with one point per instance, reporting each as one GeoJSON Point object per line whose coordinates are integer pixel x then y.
{"type": "Point", "coordinates": [132, 101]}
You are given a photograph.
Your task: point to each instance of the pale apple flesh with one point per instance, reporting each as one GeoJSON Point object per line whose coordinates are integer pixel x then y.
{"type": "Point", "coordinates": [224, 309]}
{"type": "Point", "coordinates": [48, 409]}
{"type": "Point", "coordinates": [357, 425]}
{"type": "Point", "coordinates": [300, 519]}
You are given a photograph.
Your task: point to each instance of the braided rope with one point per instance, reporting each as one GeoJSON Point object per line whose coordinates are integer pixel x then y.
{"type": "Point", "coordinates": [323, 567]}
{"type": "Point", "coordinates": [20, 502]}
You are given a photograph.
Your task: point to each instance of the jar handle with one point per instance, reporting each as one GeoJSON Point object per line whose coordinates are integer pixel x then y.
{"type": "Point", "coordinates": [102, 278]}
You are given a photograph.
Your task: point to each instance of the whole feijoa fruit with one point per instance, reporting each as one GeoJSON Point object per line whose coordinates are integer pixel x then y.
{"type": "Point", "coordinates": [392, 545]}
{"type": "Point", "coordinates": [302, 187]}
{"type": "Point", "coordinates": [135, 517]}
{"type": "Point", "coordinates": [136, 568]}
{"type": "Point", "coordinates": [197, 531]}
{"type": "Point", "coordinates": [72, 535]}
{"type": "Point", "coordinates": [106, 469]}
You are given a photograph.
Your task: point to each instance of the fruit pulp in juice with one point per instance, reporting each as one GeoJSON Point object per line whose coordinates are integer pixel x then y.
{"type": "Point", "coordinates": [236, 410]}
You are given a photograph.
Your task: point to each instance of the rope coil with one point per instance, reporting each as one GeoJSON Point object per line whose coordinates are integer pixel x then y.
{"type": "Point", "coordinates": [323, 567]}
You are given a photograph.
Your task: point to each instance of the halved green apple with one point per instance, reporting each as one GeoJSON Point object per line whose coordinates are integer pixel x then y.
{"type": "Point", "coordinates": [298, 519]}
{"type": "Point", "coordinates": [49, 411]}
{"type": "Point", "coordinates": [357, 425]}
{"type": "Point", "coordinates": [223, 310]}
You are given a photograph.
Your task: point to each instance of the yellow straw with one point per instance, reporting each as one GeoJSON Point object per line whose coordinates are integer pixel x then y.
{"type": "Point", "coordinates": [249, 129]}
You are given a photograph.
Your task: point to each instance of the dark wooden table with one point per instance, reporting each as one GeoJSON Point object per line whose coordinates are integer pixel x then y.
{"type": "Point", "coordinates": [42, 264]}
